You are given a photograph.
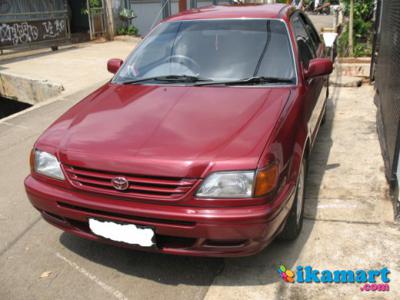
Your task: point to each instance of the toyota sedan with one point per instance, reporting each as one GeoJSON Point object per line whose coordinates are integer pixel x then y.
{"type": "Point", "coordinates": [199, 145]}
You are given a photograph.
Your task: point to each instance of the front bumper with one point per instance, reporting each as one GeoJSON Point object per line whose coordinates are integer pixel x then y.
{"type": "Point", "coordinates": [227, 231]}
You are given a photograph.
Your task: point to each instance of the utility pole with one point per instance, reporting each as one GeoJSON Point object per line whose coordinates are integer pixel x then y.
{"type": "Point", "coordinates": [109, 18]}
{"type": "Point", "coordinates": [351, 24]}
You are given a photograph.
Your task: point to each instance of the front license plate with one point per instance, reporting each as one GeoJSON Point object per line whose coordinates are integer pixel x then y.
{"type": "Point", "coordinates": [125, 233]}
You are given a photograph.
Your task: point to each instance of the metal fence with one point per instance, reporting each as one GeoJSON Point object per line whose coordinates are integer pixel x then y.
{"type": "Point", "coordinates": [387, 82]}
{"type": "Point", "coordinates": [28, 24]}
{"type": "Point", "coordinates": [97, 20]}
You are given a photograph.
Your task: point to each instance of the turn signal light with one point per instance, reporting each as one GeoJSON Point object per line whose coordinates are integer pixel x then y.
{"type": "Point", "coordinates": [266, 180]}
{"type": "Point", "coordinates": [32, 160]}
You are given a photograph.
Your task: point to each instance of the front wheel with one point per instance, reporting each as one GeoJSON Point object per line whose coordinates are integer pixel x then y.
{"type": "Point", "coordinates": [294, 222]}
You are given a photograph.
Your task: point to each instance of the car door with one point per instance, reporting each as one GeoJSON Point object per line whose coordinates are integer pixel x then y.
{"type": "Point", "coordinates": [309, 47]}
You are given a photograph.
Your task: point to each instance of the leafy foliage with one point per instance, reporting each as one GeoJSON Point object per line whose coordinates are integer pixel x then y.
{"type": "Point", "coordinates": [93, 4]}
{"type": "Point", "coordinates": [363, 24]}
{"type": "Point", "coordinates": [127, 14]}
{"type": "Point", "coordinates": [343, 44]}
{"type": "Point", "coordinates": [128, 30]}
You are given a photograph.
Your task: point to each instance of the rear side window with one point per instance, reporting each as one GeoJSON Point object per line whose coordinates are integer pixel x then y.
{"type": "Point", "coordinates": [312, 32]}
{"type": "Point", "coordinates": [305, 42]}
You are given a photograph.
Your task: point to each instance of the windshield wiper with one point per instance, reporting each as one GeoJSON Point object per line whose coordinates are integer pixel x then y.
{"type": "Point", "coordinates": [248, 81]}
{"type": "Point", "coordinates": [168, 78]}
{"type": "Point", "coordinates": [199, 81]}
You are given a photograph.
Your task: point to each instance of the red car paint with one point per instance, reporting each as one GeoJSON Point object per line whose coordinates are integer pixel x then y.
{"type": "Point", "coordinates": [170, 133]}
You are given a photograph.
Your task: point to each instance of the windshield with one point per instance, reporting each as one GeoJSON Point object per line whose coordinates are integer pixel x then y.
{"type": "Point", "coordinates": [214, 50]}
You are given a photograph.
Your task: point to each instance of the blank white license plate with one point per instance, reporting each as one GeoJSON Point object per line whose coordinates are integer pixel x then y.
{"type": "Point", "coordinates": [125, 233]}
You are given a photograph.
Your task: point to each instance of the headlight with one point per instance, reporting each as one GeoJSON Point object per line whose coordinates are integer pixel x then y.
{"type": "Point", "coordinates": [47, 164]}
{"type": "Point", "coordinates": [227, 185]}
{"type": "Point", "coordinates": [240, 184]}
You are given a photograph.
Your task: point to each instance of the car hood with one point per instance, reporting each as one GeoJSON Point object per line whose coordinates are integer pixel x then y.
{"type": "Point", "coordinates": [167, 130]}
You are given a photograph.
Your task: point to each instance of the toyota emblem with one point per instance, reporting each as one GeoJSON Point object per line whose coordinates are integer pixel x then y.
{"type": "Point", "coordinates": [120, 183]}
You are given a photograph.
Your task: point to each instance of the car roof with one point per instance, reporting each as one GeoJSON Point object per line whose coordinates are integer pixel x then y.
{"type": "Point", "coordinates": [270, 11]}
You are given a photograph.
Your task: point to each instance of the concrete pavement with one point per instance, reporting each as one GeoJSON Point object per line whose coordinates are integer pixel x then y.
{"type": "Point", "coordinates": [40, 75]}
{"type": "Point", "coordinates": [322, 21]}
{"type": "Point", "coordinates": [349, 217]}
{"type": "Point", "coordinates": [29, 247]}
{"type": "Point", "coordinates": [349, 225]}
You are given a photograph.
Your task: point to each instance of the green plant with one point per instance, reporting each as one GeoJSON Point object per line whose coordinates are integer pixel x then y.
{"type": "Point", "coordinates": [121, 31]}
{"type": "Point", "coordinates": [362, 28]}
{"type": "Point", "coordinates": [132, 30]}
{"type": "Point", "coordinates": [93, 4]}
{"type": "Point", "coordinates": [128, 30]}
{"type": "Point", "coordinates": [343, 44]}
{"type": "Point", "coordinates": [127, 14]}
{"type": "Point", "coordinates": [362, 49]}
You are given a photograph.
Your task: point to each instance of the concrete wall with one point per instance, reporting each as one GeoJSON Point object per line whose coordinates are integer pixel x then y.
{"type": "Point", "coordinates": [28, 90]}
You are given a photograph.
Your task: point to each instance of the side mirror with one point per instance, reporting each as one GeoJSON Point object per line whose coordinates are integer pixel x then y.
{"type": "Point", "coordinates": [318, 67]}
{"type": "Point", "coordinates": [114, 64]}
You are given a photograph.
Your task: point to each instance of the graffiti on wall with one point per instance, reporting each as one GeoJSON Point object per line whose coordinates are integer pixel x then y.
{"type": "Point", "coordinates": [53, 28]}
{"type": "Point", "coordinates": [18, 33]}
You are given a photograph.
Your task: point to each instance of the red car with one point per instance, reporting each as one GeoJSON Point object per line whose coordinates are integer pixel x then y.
{"type": "Point", "coordinates": [199, 144]}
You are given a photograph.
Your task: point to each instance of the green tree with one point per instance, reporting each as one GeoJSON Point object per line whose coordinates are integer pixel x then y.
{"type": "Point", "coordinates": [362, 28]}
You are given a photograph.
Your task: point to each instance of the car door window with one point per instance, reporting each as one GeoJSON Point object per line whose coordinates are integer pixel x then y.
{"type": "Point", "coordinates": [311, 31]}
{"type": "Point", "coordinates": [304, 41]}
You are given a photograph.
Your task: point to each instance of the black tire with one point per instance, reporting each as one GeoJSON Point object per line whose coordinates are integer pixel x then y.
{"type": "Point", "coordinates": [54, 48]}
{"type": "Point", "coordinates": [294, 222]}
{"type": "Point", "coordinates": [327, 89]}
{"type": "Point", "coordinates": [324, 116]}
{"type": "Point", "coordinates": [325, 108]}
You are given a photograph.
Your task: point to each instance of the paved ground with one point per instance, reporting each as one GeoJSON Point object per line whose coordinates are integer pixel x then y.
{"type": "Point", "coordinates": [349, 219]}
{"type": "Point", "coordinates": [348, 226]}
{"type": "Point", "coordinates": [322, 21]}
{"type": "Point", "coordinates": [74, 67]}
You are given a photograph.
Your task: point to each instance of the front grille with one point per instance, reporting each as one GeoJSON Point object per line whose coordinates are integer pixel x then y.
{"type": "Point", "coordinates": [142, 187]}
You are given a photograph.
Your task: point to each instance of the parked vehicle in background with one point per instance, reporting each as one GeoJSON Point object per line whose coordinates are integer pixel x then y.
{"type": "Point", "coordinates": [199, 145]}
